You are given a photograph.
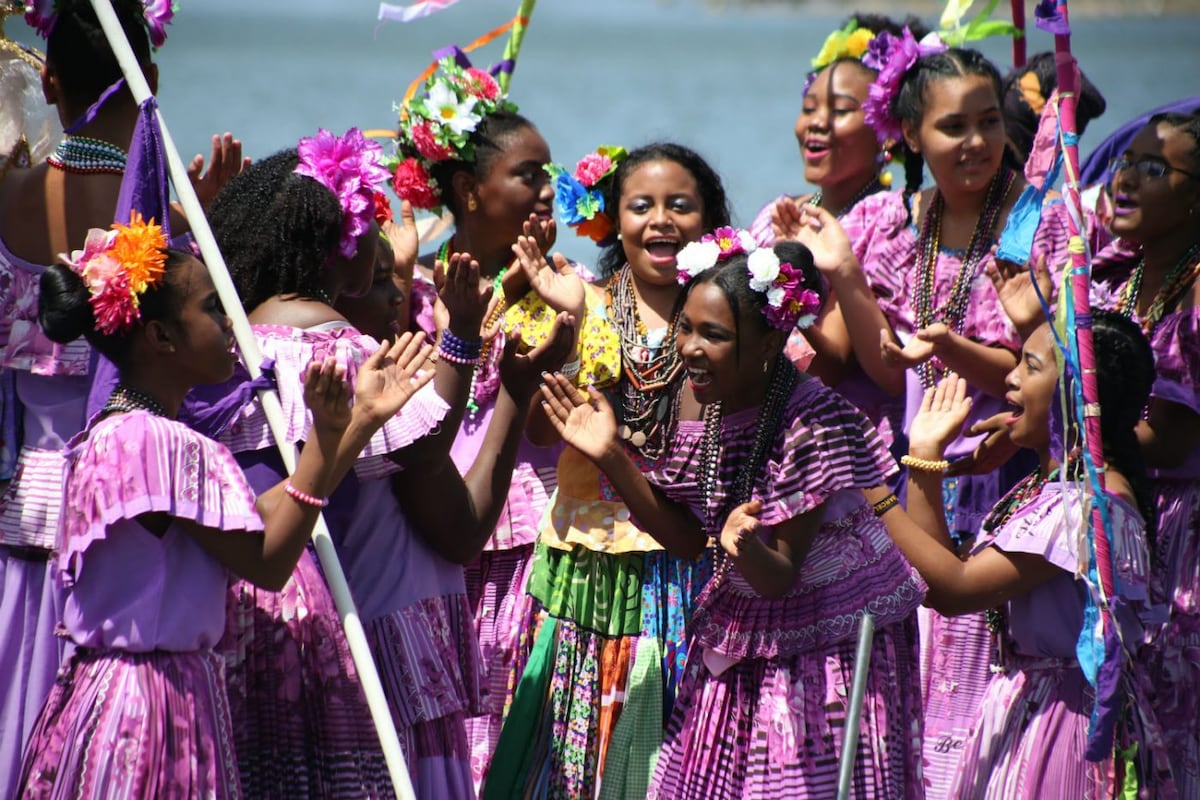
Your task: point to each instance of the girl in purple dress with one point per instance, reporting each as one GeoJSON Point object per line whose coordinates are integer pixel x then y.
{"type": "Point", "coordinates": [1033, 736]}
{"type": "Point", "coordinates": [774, 471]}
{"type": "Point", "coordinates": [157, 514]}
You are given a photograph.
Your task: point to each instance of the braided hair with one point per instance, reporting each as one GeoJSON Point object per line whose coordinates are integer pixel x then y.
{"type": "Point", "coordinates": [909, 103]}
{"type": "Point", "coordinates": [713, 200]}
{"type": "Point", "coordinates": [78, 52]}
{"type": "Point", "coordinates": [489, 140]}
{"type": "Point", "coordinates": [279, 231]}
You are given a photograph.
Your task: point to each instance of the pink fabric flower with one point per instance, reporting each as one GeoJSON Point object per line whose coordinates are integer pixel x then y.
{"type": "Point", "coordinates": [158, 15]}
{"type": "Point", "coordinates": [591, 168]}
{"type": "Point", "coordinates": [349, 167]}
{"type": "Point", "coordinates": [482, 84]}
{"type": "Point", "coordinates": [427, 144]}
{"type": "Point", "coordinates": [731, 241]}
{"type": "Point", "coordinates": [40, 16]}
{"type": "Point", "coordinates": [114, 306]}
{"type": "Point", "coordinates": [412, 183]}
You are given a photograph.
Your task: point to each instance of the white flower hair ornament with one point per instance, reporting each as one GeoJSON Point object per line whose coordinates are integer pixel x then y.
{"type": "Point", "coordinates": [790, 304]}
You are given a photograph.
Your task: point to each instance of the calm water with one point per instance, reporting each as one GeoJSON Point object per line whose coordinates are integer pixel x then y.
{"type": "Point", "coordinates": [726, 82]}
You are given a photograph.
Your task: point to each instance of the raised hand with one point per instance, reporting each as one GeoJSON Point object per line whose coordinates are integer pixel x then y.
{"type": "Point", "coordinates": [587, 425]}
{"type": "Point", "coordinates": [327, 396]}
{"type": "Point", "coordinates": [919, 349]}
{"type": "Point", "coordinates": [824, 236]}
{"type": "Point", "coordinates": [521, 372]}
{"type": "Point", "coordinates": [404, 240]}
{"type": "Point", "coordinates": [390, 377]}
{"type": "Point", "coordinates": [786, 218]}
{"type": "Point", "coordinates": [543, 231]}
{"type": "Point", "coordinates": [1018, 291]}
{"type": "Point", "coordinates": [944, 409]}
{"type": "Point", "coordinates": [225, 162]}
{"type": "Point", "coordinates": [462, 301]}
{"type": "Point", "coordinates": [990, 454]}
{"type": "Point", "coordinates": [559, 286]}
{"type": "Point", "coordinates": [740, 530]}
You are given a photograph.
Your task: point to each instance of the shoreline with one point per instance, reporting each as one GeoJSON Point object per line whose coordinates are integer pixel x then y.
{"type": "Point", "coordinates": [1082, 9]}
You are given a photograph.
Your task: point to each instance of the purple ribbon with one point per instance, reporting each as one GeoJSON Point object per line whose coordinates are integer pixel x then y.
{"type": "Point", "coordinates": [94, 109]}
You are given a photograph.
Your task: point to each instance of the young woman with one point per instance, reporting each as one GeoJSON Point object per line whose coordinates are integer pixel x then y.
{"type": "Point", "coordinates": [773, 472]}
{"type": "Point", "coordinates": [1032, 734]}
{"type": "Point", "coordinates": [611, 605]}
{"type": "Point", "coordinates": [157, 514]}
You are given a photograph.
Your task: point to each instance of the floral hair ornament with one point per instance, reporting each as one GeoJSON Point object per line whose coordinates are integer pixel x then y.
{"type": "Point", "coordinates": [789, 303]}
{"type": "Point", "coordinates": [436, 125]}
{"type": "Point", "coordinates": [156, 14]}
{"type": "Point", "coordinates": [580, 195]}
{"type": "Point", "coordinates": [349, 166]}
{"type": "Point", "coordinates": [849, 42]}
{"type": "Point", "coordinates": [892, 57]}
{"type": "Point", "coordinates": [118, 266]}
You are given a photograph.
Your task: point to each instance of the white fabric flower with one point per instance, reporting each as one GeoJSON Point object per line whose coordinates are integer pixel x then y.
{"type": "Point", "coordinates": [806, 321]}
{"type": "Point", "coordinates": [695, 257]}
{"type": "Point", "coordinates": [446, 109]}
{"type": "Point", "coordinates": [775, 296]}
{"type": "Point", "coordinates": [746, 240]}
{"type": "Point", "coordinates": [764, 269]}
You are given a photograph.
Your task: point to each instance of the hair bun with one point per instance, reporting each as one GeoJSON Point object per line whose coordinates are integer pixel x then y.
{"type": "Point", "coordinates": [63, 308]}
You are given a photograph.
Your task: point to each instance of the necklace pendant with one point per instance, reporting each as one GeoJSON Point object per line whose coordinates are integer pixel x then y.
{"type": "Point", "coordinates": [638, 439]}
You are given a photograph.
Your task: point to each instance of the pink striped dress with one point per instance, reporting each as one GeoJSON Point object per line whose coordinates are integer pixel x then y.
{"type": "Point", "coordinates": [761, 708]}
{"type": "Point", "coordinates": [140, 709]}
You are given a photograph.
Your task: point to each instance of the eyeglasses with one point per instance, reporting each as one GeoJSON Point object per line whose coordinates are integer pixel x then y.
{"type": "Point", "coordinates": [1147, 168]}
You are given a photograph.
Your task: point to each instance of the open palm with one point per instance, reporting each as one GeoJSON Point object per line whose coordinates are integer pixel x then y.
{"type": "Point", "coordinates": [587, 425]}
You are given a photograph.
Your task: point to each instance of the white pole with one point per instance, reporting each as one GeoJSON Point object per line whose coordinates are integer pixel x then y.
{"type": "Point", "coordinates": [862, 665]}
{"type": "Point", "coordinates": [355, 636]}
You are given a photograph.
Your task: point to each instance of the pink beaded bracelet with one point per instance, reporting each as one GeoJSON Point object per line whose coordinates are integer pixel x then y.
{"type": "Point", "coordinates": [446, 355]}
{"type": "Point", "coordinates": [305, 497]}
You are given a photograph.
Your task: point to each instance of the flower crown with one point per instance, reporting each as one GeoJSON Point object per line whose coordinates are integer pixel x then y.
{"type": "Point", "coordinates": [892, 57]}
{"type": "Point", "coordinates": [117, 266]}
{"type": "Point", "coordinates": [849, 42]}
{"type": "Point", "coordinates": [580, 196]}
{"type": "Point", "coordinates": [157, 14]}
{"type": "Point", "coordinates": [789, 303]}
{"type": "Point", "coordinates": [349, 166]}
{"type": "Point", "coordinates": [436, 125]}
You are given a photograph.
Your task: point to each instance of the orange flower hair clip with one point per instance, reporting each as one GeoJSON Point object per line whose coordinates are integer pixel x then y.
{"type": "Point", "coordinates": [117, 266]}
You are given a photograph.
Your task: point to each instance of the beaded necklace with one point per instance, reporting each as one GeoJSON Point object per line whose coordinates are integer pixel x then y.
{"type": "Point", "coordinates": [126, 398]}
{"type": "Point", "coordinates": [1182, 275]}
{"type": "Point", "coordinates": [954, 311]}
{"type": "Point", "coordinates": [784, 377]}
{"type": "Point", "coordinates": [648, 406]}
{"type": "Point", "coordinates": [85, 156]}
{"type": "Point", "coordinates": [485, 352]}
{"type": "Point", "coordinates": [870, 189]}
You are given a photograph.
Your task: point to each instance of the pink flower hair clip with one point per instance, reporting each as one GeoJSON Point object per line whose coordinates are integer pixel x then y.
{"type": "Point", "coordinates": [156, 14]}
{"type": "Point", "coordinates": [721, 244]}
{"type": "Point", "coordinates": [892, 56]}
{"type": "Point", "coordinates": [349, 166]}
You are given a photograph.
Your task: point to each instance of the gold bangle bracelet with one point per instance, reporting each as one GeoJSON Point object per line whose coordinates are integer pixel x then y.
{"type": "Point", "coordinates": [886, 504]}
{"type": "Point", "coordinates": [925, 464]}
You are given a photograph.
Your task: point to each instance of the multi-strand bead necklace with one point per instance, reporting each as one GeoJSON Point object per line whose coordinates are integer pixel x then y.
{"type": "Point", "coordinates": [126, 398]}
{"type": "Point", "coordinates": [1182, 275]}
{"type": "Point", "coordinates": [85, 156]}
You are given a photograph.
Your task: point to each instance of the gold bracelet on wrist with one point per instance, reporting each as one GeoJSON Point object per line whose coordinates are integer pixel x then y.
{"type": "Point", "coordinates": [886, 504]}
{"type": "Point", "coordinates": [925, 464]}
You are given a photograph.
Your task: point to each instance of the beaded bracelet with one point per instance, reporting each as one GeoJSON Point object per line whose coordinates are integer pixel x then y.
{"type": "Point", "coordinates": [456, 359]}
{"type": "Point", "coordinates": [304, 497]}
{"type": "Point", "coordinates": [886, 504]}
{"type": "Point", "coordinates": [460, 348]}
{"type": "Point", "coordinates": [925, 464]}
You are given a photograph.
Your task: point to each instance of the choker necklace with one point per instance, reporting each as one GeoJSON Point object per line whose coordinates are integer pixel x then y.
{"type": "Point", "coordinates": [86, 156]}
{"type": "Point", "coordinates": [953, 311]}
{"type": "Point", "coordinates": [870, 189]}
{"type": "Point", "coordinates": [320, 295]}
{"type": "Point", "coordinates": [126, 398]}
{"type": "Point", "coordinates": [1182, 275]}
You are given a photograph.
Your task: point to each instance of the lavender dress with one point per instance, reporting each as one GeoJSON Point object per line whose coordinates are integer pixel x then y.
{"type": "Point", "coordinates": [762, 706]}
{"type": "Point", "coordinates": [1029, 740]}
{"type": "Point", "coordinates": [411, 600]}
{"type": "Point", "coordinates": [140, 710]}
{"type": "Point", "coordinates": [49, 385]}
{"type": "Point", "coordinates": [956, 651]}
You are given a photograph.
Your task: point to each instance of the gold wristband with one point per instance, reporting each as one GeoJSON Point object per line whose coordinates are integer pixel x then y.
{"type": "Point", "coordinates": [886, 504]}
{"type": "Point", "coordinates": [925, 464]}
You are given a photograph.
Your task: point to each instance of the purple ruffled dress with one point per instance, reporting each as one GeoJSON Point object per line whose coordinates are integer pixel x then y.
{"type": "Point", "coordinates": [1175, 659]}
{"type": "Point", "coordinates": [49, 384]}
{"type": "Point", "coordinates": [761, 708]}
{"type": "Point", "coordinates": [139, 710]}
{"type": "Point", "coordinates": [1029, 740]}
{"type": "Point", "coordinates": [956, 651]}
{"type": "Point", "coordinates": [412, 602]}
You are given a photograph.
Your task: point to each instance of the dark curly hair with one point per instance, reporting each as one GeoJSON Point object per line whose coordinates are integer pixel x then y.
{"type": "Point", "coordinates": [489, 139]}
{"type": "Point", "coordinates": [65, 310]}
{"type": "Point", "coordinates": [712, 192]}
{"type": "Point", "coordinates": [732, 278]}
{"type": "Point", "coordinates": [909, 103]}
{"type": "Point", "coordinates": [79, 53]}
{"type": "Point", "coordinates": [278, 230]}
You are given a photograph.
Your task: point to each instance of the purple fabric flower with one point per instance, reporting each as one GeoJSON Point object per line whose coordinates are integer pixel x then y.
{"type": "Point", "coordinates": [41, 16]}
{"type": "Point", "coordinates": [1050, 18]}
{"type": "Point", "coordinates": [158, 15]}
{"type": "Point", "coordinates": [893, 56]}
{"type": "Point", "coordinates": [349, 167]}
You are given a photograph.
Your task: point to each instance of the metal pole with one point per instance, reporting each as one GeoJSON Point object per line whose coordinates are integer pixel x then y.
{"type": "Point", "coordinates": [862, 665]}
{"type": "Point", "coordinates": [355, 635]}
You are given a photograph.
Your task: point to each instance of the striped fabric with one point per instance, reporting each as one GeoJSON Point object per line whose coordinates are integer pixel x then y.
{"type": "Point", "coordinates": [30, 509]}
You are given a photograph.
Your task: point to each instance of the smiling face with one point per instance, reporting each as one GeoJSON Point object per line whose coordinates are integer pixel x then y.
{"type": "Point", "coordinates": [515, 185]}
{"type": "Point", "coordinates": [961, 134]}
{"type": "Point", "coordinates": [660, 211]}
{"type": "Point", "coordinates": [203, 335]}
{"type": "Point", "coordinates": [835, 141]}
{"type": "Point", "coordinates": [1031, 391]}
{"type": "Point", "coordinates": [1146, 208]}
